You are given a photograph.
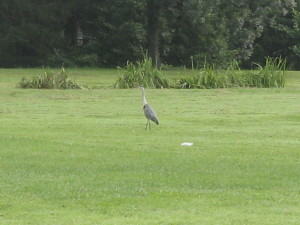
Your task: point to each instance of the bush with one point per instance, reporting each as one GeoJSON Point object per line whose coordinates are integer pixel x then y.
{"type": "Point", "coordinates": [87, 60]}
{"type": "Point", "coordinates": [50, 80]}
{"type": "Point", "coordinates": [57, 58]}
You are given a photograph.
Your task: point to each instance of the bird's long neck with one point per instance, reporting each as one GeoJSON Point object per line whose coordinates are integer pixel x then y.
{"type": "Point", "coordinates": [143, 97]}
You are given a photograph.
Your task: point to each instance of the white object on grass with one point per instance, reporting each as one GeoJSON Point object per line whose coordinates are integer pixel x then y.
{"type": "Point", "coordinates": [187, 144]}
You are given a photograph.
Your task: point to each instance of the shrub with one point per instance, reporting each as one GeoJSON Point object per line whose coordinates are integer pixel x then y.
{"type": "Point", "coordinates": [59, 57]}
{"type": "Point", "coordinates": [87, 60]}
{"type": "Point", "coordinates": [50, 80]}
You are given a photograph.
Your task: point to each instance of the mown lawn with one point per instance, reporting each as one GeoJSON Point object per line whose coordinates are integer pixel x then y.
{"type": "Point", "coordinates": [84, 156]}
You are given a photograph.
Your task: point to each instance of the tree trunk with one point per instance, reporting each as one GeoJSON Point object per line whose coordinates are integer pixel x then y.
{"type": "Point", "coordinates": [153, 13]}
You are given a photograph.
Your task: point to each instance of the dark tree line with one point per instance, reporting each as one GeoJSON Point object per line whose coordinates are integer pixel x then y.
{"type": "Point", "coordinates": [175, 32]}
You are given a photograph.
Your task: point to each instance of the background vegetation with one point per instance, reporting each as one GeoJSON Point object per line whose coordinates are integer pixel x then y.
{"type": "Point", "coordinates": [271, 74]}
{"type": "Point", "coordinates": [50, 80]}
{"type": "Point", "coordinates": [175, 32]}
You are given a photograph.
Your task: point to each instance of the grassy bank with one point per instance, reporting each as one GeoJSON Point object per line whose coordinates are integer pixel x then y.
{"type": "Point", "coordinates": [84, 156]}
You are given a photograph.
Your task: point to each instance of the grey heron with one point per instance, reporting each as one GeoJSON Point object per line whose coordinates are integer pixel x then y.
{"type": "Point", "coordinates": [148, 111]}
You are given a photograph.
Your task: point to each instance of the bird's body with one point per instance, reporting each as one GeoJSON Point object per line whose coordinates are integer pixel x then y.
{"type": "Point", "coordinates": [150, 114]}
{"type": "Point", "coordinates": [148, 111]}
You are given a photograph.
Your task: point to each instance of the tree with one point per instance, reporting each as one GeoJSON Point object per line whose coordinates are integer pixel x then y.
{"type": "Point", "coordinates": [197, 33]}
{"type": "Point", "coordinates": [30, 31]}
{"type": "Point", "coordinates": [176, 32]}
{"type": "Point", "coordinates": [116, 31]}
{"type": "Point", "coordinates": [153, 12]}
{"type": "Point", "coordinates": [280, 35]}
{"type": "Point", "coordinates": [294, 34]}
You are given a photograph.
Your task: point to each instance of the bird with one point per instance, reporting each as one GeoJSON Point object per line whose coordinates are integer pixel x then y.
{"type": "Point", "coordinates": [148, 111]}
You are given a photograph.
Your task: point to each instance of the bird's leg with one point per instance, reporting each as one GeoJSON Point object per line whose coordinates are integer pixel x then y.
{"type": "Point", "coordinates": [147, 124]}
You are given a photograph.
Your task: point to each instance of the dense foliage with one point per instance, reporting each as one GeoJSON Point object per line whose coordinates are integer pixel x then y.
{"type": "Point", "coordinates": [178, 32]}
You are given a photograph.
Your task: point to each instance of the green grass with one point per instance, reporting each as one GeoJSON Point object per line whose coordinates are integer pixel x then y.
{"type": "Point", "coordinates": [84, 156]}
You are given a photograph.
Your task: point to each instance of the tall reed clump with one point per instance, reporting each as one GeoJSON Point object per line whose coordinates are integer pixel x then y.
{"type": "Point", "coordinates": [272, 74]}
{"type": "Point", "coordinates": [206, 78]}
{"type": "Point", "coordinates": [141, 73]}
{"type": "Point", "coordinates": [50, 80]}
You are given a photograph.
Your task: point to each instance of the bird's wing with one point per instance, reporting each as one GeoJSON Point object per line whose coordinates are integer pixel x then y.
{"type": "Point", "coordinates": [150, 114]}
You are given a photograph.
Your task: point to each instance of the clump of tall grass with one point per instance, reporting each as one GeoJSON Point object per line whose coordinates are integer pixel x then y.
{"type": "Point", "coordinates": [206, 78]}
{"type": "Point", "coordinates": [272, 74]}
{"type": "Point", "coordinates": [50, 80]}
{"type": "Point", "coordinates": [141, 73]}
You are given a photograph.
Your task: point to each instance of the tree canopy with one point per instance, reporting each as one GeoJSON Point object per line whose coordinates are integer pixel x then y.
{"type": "Point", "coordinates": [175, 32]}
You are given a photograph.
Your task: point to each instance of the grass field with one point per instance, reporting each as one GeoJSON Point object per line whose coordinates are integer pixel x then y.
{"type": "Point", "coordinates": [84, 156]}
